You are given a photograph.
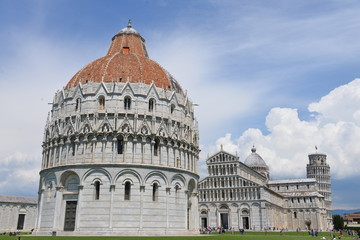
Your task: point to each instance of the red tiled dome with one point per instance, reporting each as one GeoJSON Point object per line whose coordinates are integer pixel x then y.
{"type": "Point", "coordinates": [126, 60]}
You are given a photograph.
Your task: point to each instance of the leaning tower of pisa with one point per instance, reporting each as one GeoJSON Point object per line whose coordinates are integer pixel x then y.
{"type": "Point", "coordinates": [320, 170]}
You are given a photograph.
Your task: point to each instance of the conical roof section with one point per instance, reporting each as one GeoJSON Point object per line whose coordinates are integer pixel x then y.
{"type": "Point", "coordinates": [127, 60]}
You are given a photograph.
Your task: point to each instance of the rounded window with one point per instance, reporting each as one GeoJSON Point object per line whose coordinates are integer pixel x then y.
{"type": "Point", "coordinates": [101, 101]}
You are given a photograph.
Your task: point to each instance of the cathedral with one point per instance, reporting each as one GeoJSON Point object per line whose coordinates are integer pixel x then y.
{"type": "Point", "coordinates": [120, 150]}
{"type": "Point", "coordinates": [240, 195]}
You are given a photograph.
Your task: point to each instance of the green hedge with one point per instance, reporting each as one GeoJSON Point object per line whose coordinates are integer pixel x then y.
{"type": "Point", "coordinates": [352, 228]}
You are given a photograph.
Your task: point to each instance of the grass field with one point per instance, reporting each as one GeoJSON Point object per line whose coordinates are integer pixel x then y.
{"type": "Point", "coordinates": [227, 236]}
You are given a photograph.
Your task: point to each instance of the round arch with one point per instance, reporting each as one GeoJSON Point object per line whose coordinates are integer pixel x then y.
{"type": "Point", "coordinates": [70, 181]}
{"type": "Point", "coordinates": [156, 173]}
{"type": "Point", "coordinates": [93, 170]}
{"type": "Point", "coordinates": [65, 175]}
{"type": "Point", "coordinates": [192, 186]}
{"type": "Point", "coordinates": [128, 171]}
{"type": "Point", "coordinates": [177, 178]}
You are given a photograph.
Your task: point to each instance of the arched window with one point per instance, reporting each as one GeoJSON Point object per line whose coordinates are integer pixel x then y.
{"type": "Point", "coordinates": [78, 104]}
{"type": "Point", "coordinates": [155, 192]}
{"type": "Point", "coordinates": [151, 105]}
{"type": "Point", "coordinates": [295, 215]}
{"type": "Point", "coordinates": [101, 101]}
{"type": "Point", "coordinates": [177, 193]}
{"type": "Point", "coordinates": [120, 146]}
{"type": "Point", "coordinates": [97, 190]}
{"type": "Point", "coordinates": [172, 108]}
{"type": "Point", "coordinates": [127, 103]}
{"type": "Point", "coordinates": [156, 147]}
{"type": "Point", "coordinates": [73, 148]}
{"type": "Point", "coordinates": [127, 191]}
{"type": "Point", "coordinates": [126, 50]}
{"type": "Point", "coordinates": [49, 192]}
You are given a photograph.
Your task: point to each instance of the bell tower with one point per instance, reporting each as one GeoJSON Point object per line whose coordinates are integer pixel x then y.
{"type": "Point", "coordinates": [320, 170]}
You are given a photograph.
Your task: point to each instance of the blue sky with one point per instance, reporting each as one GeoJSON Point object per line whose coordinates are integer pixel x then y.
{"type": "Point", "coordinates": [281, 75]}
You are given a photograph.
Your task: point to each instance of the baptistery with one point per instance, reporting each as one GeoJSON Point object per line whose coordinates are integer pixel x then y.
{"type": "Point", "coordinates": [120, 150]}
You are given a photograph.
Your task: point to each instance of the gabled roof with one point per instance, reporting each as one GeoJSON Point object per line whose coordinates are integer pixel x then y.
{"type": "Point", "coordinates": [226, 153]}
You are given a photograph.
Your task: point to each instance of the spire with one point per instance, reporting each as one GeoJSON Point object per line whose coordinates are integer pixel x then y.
{"type": "Point", "coordinates": [221, 147]}
{"type": "Point", "coordinates": [48, 118]}
{"type": "Point", "coordinates": [129, 24]}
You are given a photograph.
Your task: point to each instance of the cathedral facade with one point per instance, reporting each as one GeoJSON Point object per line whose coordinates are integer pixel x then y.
{"type": "Point", "coordinates": [240, 195]}
{"type": "Point", "coordinates": [120, 150]}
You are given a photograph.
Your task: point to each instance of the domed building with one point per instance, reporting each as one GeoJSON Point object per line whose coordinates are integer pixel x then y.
{"type": "Point", "coordinates": [240, 195]}
{"type": "Point", "coordinates": [120, 150]}
{"type": "Point", "coordinates": [255, 162]}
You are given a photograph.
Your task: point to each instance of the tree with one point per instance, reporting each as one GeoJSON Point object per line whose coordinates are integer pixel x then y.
{"type": "Point", "coordinates": [338, 222]}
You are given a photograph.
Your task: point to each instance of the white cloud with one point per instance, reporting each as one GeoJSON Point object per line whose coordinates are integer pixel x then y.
{"type": "Point", "coordinates": [341, 104]}
{"type": "Point", "coordinates": [29, 76]}
{"type": "Point", "coordinates": [236, 59]}
{"type": "Point", "coordinates": [290, 139]}
{"type": "Point", "coordinates": [19, 174]}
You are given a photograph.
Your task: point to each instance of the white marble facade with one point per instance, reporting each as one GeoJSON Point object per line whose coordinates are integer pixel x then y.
{"type": "Point", "coordinates": [120, 158]}
{"type": "Point", "coordinates": [17, 213]}
{"type": "Point", "coordinates": [240, 195]}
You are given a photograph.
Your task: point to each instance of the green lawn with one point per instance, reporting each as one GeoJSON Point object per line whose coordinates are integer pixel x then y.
{"type": "Point", "coordinates": [227, 236]}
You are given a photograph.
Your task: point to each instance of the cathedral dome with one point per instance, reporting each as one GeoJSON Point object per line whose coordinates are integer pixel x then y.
{"type": "Point", "coordinates": [255, 160]}
{"type": "Point", "coordinates": [127, 60]}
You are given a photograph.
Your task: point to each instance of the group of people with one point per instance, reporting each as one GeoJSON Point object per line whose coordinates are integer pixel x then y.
{"type": "Point", "coordinates": [207, 230]}
{"type": "Point", "coordinates": [351, 233]}
{"type": "Point", "coordinates": [313, 232]}
{"type": "Point", "coordinates": [12, 234]}
{"type": "Point", "coordinates": [281, 230]}
{"type": "Point", "coordinates": [220, 230]}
